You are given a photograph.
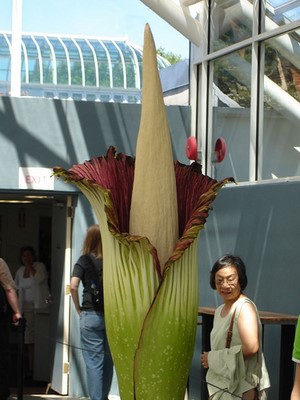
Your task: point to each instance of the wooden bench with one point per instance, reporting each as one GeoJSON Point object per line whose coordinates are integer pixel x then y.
{"type": "Point", "coordinates": [287, 323]}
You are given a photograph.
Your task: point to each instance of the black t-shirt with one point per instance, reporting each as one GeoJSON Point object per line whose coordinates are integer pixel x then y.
{"type": "Point", "coordinates": [89, 270]}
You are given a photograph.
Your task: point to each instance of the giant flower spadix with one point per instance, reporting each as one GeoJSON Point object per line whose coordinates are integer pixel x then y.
{"type": "Point", "coordinates": [150, 211]}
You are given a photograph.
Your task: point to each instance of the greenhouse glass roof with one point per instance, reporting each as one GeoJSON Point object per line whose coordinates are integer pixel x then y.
{"type": "Point", "coordinates": [49, 59]}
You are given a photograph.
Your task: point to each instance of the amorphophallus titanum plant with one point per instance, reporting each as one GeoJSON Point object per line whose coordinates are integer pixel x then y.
{"type": "Point", "coordinates": [150, 210]}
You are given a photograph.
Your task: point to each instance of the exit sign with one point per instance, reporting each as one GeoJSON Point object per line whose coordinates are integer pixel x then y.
{"type": "Point", "coordinates": [36, 178]}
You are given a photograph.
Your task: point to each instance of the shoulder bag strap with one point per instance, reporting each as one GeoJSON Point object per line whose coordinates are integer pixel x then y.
{"type": "Point", "coordinates": [229, 333]}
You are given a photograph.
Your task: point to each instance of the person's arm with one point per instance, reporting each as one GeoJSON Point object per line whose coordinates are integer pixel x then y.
{"type": "Point", "coordinates": [12, 298]}
{"type": "Point", "coordinates": [9, 286]}
{"type": "Point", "coordinates": [74, 285]}
{"type": "Point", "coordinates": [295, 395]}
{"type": "Point", "coordinates": [204, 359]}
{"type": "Point", "coordinates": [40, 275]}
{"type": "Point", "coordinates": [248, 330]}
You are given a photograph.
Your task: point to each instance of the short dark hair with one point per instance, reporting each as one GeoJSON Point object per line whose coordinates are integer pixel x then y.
{"type": "Point", "coordinates": [30, 249]}
{"type": "Point", "coordinates": [227, 261]}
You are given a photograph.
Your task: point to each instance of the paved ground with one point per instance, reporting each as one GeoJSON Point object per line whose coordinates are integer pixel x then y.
{"type": "Point", "coordinates": [34, 396]}
{"type": "Point", "coordinates": [27, 396]}
{"type": "Point", "coordinates": [36, 393]}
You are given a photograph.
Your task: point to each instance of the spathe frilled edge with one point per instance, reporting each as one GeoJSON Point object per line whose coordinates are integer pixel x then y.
{"type": "Point", "coordinates": [112, 177]}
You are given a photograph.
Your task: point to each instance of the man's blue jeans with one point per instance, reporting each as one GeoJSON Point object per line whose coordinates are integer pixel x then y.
{"type": "Point", "coordinates": [96, 354]}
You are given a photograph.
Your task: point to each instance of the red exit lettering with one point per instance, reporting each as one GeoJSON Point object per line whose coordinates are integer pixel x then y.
{"type": "Point", "coordinates": [30, 179]}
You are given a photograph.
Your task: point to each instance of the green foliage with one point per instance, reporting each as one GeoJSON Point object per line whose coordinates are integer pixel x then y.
{"type": "Point", "coordinates": [168, 55]}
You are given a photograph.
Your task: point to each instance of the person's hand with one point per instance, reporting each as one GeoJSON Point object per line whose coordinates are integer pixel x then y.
{"type": "Point", "coordinates": [29, 270]}
{"type": "Point", "coordinates": [204, 359]}
{"type": "Point", "coordinates": [15, 318]}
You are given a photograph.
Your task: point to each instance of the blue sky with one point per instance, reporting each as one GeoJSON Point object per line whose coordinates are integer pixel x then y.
{"type": "Point", "coordinates": [108, 18]}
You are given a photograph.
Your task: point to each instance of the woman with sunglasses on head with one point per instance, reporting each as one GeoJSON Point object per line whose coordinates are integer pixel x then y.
{"type": "Point", "coordinates": [236, 367]}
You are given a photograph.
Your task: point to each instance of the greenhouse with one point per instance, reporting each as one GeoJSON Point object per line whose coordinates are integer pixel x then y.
{"type": "Point", "coordinates": [78, 68]}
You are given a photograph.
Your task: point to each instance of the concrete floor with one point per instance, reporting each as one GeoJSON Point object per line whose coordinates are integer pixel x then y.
{"type": "Point", "coordinates": [50, 396]}
{"type": "Point", "coordinates": [43, 392]}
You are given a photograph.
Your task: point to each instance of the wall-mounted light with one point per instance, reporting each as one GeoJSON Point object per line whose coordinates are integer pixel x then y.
{"type": "Point", "coordinates": [38, 197]}
{"type": "Point", "coordinates": [10, 201]}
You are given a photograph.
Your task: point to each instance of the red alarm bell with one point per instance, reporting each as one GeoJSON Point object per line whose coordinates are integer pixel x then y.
{"type": "Point", "coordinates": [191, 150]}
{"type": "Point", "coordinates": [220, 149]}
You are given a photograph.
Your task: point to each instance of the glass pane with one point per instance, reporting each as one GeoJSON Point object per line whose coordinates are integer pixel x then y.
{"type": "Point", "coordinates": [230, 23]}
{"type": "Point", "coordinates": [281, 122]}
{"type": "Point", "coordinates": [131, 65]}
{"type": "Point", "coordinates": [139, 56]}
{"type": "Point", "coordinates": [61, 60]}
{"type": "Point", "coordinates": [49, 95]}
{"type": "Point", "coordinates": [231, 113]}
{"type": "Point", "coordinates": [89, 62]}
{"type": "Point", "coordinates": [103, 65]}
{"type": "Point", "coordinates": [91, 97]}
{"type": "Point", "coordinates": [4, 60]}
{"type": "Point", "coordinates": [63, 95]}
{"type": "Point", "coordinates": [33, 60]}
{"type": "Point", "coordinates": [118, 98]}
{"type": "Point", "coordinates": [116, 63]}
{"type": "Point", "coordinates": [47, 61]}
{"type": "Point", "coordinates": [24, 66]}
{"type": "Point", "coordinates": [104, 97]}
{"type": "Point", "coordinates": [4, 69]}
{"type": "Point", "coordinates": [132, 99]}
{"type": "Point", "coordinates": [281, 12]}
{"type": "Point", "coordinates": [75, 64]}
{"type": "Point", "coordinates": [77, 96]}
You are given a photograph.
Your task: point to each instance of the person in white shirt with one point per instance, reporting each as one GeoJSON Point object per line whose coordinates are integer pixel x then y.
{"type": "Point", "coordinates": [32, 284]}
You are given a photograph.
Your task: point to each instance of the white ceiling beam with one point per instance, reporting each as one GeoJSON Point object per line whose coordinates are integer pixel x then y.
{"type": "Point", "coordinates": [178, 17]}
{"type": "Point", "coordinates": [15, 78]}
{"type": "Point", "coordinates": [188, 3]}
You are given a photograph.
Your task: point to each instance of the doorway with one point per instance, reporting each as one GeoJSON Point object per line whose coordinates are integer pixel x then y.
{"type": "Point", "coordinates": [43, 221]}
